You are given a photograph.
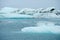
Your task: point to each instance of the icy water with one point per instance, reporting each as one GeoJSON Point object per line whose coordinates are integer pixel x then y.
{"type": "Point", "coordinates": [10, 29]}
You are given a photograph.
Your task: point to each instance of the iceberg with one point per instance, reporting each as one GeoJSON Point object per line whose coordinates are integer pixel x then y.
{"type": "Point", "coordinates": [8, 12]}
{"type": "Point", "coordinates": [42, 27]}
{"type": "Point", "coordinates": [34, 29]}
{"type": "Point", "coordinates": [8, 9]}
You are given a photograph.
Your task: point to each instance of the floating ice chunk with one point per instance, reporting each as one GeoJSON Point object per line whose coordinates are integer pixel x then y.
{"type": "Point", "coordinates": [41, 27]}
{"type": "Point", "coordinates": [44, 27]}
{"type": "Point", "coordinates": [35, 29]}
{"type": "Point", "coordinates": [49, 29]}
{"type": "Point", "coordinates": [8, 9]}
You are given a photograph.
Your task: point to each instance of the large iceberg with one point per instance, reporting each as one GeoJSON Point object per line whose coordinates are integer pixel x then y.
{"type": "Point", "coordinates": [8, 12]}
{"type": "Point", "coordinates": [42, 27]}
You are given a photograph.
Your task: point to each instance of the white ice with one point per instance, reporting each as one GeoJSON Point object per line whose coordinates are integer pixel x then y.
{"type": "Point", "coordinates": [8, 9]}
{"type": "Point", "coordinates": [43, 27]}
{"type": "Point", "coordinates": [8, 12]}
{"type": "Point", "coordinates": [15, 16]}
{"type": "Point", "coordinates": [29, 12]}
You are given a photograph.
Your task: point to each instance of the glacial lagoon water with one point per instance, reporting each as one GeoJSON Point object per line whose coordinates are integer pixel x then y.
{"type": "Point", "coordinates": [10, 29]}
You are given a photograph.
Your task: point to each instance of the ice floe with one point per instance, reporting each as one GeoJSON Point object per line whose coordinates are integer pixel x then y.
{"type": "Point", "coordinates": [43, 27]}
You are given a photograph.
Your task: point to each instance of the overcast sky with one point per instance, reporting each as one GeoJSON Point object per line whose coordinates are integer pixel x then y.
{"type": "Point", "coordinates": [30, 3]}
